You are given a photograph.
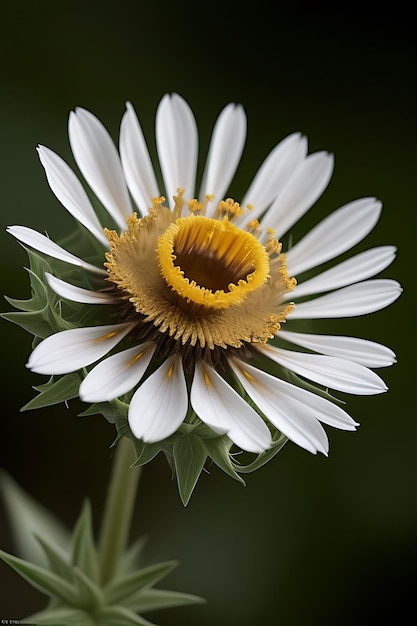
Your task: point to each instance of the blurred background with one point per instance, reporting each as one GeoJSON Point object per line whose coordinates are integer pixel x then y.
{"type": "Point", "coordinates": [309, 540]}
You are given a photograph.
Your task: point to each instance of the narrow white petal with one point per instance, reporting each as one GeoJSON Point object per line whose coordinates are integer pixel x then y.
{"type": "Point", "coordinates": [273, 174]}
{"type": "Point", "coordinates": [77, 294]}
{"type": "Point", "coordinates": [359, 267]}
{"type": "Point", "coordinates": [279, 403]}
{"type": "Point", "coordinates": [226, 147]}
{"type": "Point", "coordinates": [328, 371]}
{"type": "Point", "coordinates": [362, 351]}
{"type": "Point", "coordinates": [177, 144]}
{"type": "Point", "coordinates": [160, 405]}
{"type": "Point", "coordinates": [223, 409]}
{"type": "Point", "coordinates": [359, 299]}
{"type": "Point", "coordinates": [69, 350]}
{"type": "Point", "coordinates": [136, 161]}
{"type": "Point", "coordinates": [99, 162]}
{"type": "Point", "coordinates": [117, 374]}
{"type": "Point", "coordinates": [43, 244]}
{"type": "Point", "coordinates": [339, 232]}
{"type": "Point", "coordinates": [302, 189]}
{"type": "Point", "coordinates": [70, 192]}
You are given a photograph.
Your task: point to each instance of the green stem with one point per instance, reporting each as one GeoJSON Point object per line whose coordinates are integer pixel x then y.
{"type": "Point", "coordinates": [119, 509]}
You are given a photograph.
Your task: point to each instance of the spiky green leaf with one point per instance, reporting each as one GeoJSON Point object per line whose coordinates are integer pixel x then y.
{"type": "Point", "coordinates": [120, 589]}
{"type": "Point", "coordinates": [61, 617]}
{"type": "Point", "coordinates": [84, 553]}
{"type": "Point", "coordinates": [42, 579]}
{"type": "Point", "coordinates": [155, 599]}
{"type": "Point", "coordinates": [29, 518]}
{"type": "Point", "coordinates": [120, 616]}
{"type": "Point", "coordinates": [58, 559]}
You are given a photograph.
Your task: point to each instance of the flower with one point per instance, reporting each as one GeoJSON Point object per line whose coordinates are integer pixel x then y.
{"type": "Point", "coordinates": [197, 287]}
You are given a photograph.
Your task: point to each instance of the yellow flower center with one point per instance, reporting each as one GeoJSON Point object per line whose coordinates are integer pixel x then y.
{"type": "Point", "coordinates": [203, 281]}
{"type": "Point", "coordinates": [211, 262]}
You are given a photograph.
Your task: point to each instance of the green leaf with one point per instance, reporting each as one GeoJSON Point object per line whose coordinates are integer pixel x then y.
{"type": "Point", "coordinates": [122, 588]}
{"type": "Point", "coordinates": [58, 559]}
{"type": "Point", "coordinates": [89, 595]}
{"type": "Point", "coordinates": [119, 616]}
{"type": "Point", "coordinates": [155, 599]}
{"type": "Point", "coordinates": [55, 391]}
{"type": "Point", "coordinates": [264, 457]}
{"type": "Point", "coordinates": [27, 519]}
{"type": "Point", "coordinates": [60, 617]}
{"type": "Point", "coordinates": [84, 554]}
{"type": "Point", "coordinates": [219, 450]}
{"type": "Point", "coordinates": [131, 556]}
{"type": "Point", "coordinates": [189, 457]}
{"type": "Point", "coordinates": [42, 579]}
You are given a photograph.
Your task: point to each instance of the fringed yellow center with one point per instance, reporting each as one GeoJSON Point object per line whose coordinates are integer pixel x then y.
{"type": "Point", "coordinates": [199, 280]}
{"type": "Point", "coordinates": [211, 262]}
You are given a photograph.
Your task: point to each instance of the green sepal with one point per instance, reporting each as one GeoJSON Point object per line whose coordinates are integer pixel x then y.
{"type": "Point", "coordinates": [219, 451]}
{"type": "Point", "coordinates": [121, 589]}
{"type": "Point", "coordinates": [84, 553]}
{"type": "Point", "coordinates": [120, 616]}
{"type": "Point", "coordinates": [278, 443]}
{"type": "Point", "coordinates": [55, 391]}
{"type": "Point", "coordinates": [33, 322]}
{"type": "Point", "coordinates": [155, 599]}
{"type": "Point", "coordinates": [37, 268]}
{"type": "Point", "coordinates": [42, 579]}
{"type": "Point", "coordinates": [190, 455]}
{"type": "Point", "coordinates": [115, 412]}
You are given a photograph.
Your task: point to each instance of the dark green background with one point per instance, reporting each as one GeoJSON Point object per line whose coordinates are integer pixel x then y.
{"type": "Point", "coordinates": [310, 540]}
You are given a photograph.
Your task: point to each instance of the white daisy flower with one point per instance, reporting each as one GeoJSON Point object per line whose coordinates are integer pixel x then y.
{"type": "Point", "coordinates": [197, 287]}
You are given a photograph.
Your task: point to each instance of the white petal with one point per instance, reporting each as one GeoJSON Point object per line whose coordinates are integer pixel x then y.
{"type": "Point", "coordinates": [160, 405]}
{"type": "Point", "coordinates": [77, 294]}
{"type": "Point", "coordinates": [302, 189]}
{"type": "Point", "coordinates": [99, 162]}
{"type": "Point", "coordinates": [177, 144]}
{"type": "Point", "coordinates": [339, 232]}
{"type": "Point", "coordinates": [226, 146]}
{"type": "Point", "coordinates": [362, 351]}
{"type": "Point", "coordinates": [70, 192]}
{"type": "Point", "coordinates": [273, 174]}
{"type": "Point", "coordinates": [359, 299]}
{"type": "Point", "coordinates": [117, 374]}
{"type": "Point", "coordinates": [328, 371]}
{"type": "Point", "coordinates": [359, 267]}
{"type": "Point", "coordinates": [223, 409]}
{"type": "Point", "coordinates": [43, 244]}
{"type": "Point", "coordinates": [69, 350]}
{"type": "Point", "coordinates": [295, 419]}
{"type": "Point", "coordinates": [136, 161]}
